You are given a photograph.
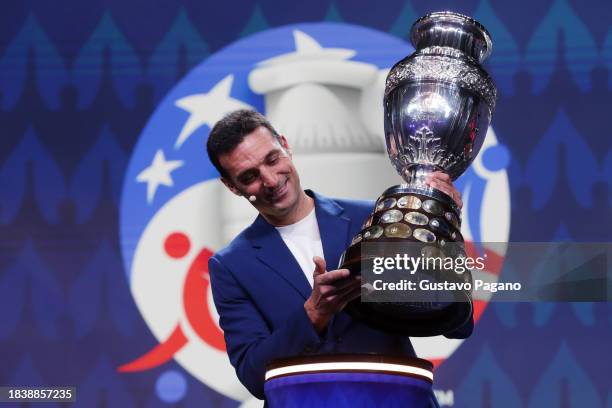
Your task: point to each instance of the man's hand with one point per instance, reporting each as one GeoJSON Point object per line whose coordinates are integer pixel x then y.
{"type": "Point", "coordinates": [443, 182]}
{"type": "Point", "coordinates": [331, 292]}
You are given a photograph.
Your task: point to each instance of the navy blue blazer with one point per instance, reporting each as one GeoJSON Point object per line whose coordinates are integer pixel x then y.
{"type": "Point", "coordinates": [259, 291]}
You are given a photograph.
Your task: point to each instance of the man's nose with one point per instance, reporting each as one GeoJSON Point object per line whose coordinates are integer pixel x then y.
{"type": "Point", "coordinates": [269, 178]}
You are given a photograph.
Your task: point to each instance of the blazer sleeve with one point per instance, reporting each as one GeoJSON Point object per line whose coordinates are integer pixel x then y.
{"type": "Point", "coordinates": [251, 344]}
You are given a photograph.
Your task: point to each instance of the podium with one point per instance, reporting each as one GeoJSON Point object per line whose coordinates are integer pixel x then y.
{"type": "Point", "coordinates": [349, 380]}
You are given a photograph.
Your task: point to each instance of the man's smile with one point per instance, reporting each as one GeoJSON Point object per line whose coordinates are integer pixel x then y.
{"type": "Point", "coordinates": [279, 192]}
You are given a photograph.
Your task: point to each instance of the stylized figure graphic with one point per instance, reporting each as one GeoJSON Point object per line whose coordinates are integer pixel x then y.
{"type": "Point", "coordinates": [196, 306]}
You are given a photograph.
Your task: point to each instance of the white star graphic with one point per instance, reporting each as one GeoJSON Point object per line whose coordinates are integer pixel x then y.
{"type": "Point", "coordinates": [307, 48]}
{"type": "Point", "coordinates": [310, 63]}
{"type": "Point", "coordinates": [208, 108]}
{"type": "Point", "coordinates": [158, 173]}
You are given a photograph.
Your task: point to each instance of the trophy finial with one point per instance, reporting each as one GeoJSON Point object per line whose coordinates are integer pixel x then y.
{"type": "Point", "coordinates": [454, 30]}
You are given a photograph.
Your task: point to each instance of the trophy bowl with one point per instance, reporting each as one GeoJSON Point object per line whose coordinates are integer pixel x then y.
{"type": "Point", "coordinates": [438, 104]}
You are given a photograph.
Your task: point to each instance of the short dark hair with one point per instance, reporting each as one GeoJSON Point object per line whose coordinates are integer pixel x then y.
{"type": "Point", "coordinates": [230, 131]}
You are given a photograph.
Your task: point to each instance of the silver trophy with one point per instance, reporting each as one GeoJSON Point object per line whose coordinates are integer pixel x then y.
{"type": "Point", "coordinates": [438, 105]}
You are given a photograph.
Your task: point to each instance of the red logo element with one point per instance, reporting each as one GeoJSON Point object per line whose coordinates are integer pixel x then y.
{"type": "Point", "coordinates": [177, 245]}
{"type": "Point", "coordinates": [195, 303]}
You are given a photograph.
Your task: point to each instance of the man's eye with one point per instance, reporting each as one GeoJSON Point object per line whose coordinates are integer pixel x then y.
{"type": "Point", "coordinates": [273, 160]}
{"type": "Point", "coordinates": [248, 179]}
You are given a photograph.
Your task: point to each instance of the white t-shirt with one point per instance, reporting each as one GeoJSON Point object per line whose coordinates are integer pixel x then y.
{"type": "Point", "coordinates": [304, 241]}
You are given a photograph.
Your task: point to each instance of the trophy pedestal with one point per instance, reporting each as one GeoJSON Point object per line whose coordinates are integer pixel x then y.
{"type": "Point", "coordinates": [427, 221]}
{"type": "Point", "coordinates": [351, 381]}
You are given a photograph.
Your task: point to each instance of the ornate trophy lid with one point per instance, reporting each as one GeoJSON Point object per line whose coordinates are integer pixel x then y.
{"type": "Point", "coordinates": [449, 48]}
{"type": "Point", "coordinates": [454, 30]}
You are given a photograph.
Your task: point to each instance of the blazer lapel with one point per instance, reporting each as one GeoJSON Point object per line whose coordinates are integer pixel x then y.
{"type": "Point", "coordinates": [334, 228]}
{"type": "Point", "coordinates": [273, 252]}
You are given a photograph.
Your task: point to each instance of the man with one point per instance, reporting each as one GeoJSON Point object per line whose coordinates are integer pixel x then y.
{"type": "Point", "coordinates": [270, 302]}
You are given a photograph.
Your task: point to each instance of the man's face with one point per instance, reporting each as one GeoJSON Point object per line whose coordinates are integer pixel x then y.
{"type": "Point", "coordinates": [261, 166]}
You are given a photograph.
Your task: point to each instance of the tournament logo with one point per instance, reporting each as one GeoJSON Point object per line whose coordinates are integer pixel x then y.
{"type": "Point", "coordinates": [321, 85]}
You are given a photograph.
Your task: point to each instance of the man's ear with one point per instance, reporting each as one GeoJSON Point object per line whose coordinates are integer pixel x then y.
{"type": "Point", "coordinates": [283, 142]}
{"type": "Point", "coordinates": [230, 186]}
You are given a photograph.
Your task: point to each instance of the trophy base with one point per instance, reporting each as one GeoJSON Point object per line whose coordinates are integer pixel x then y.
{"type": "Point", "coordinates": [414, 319]}
{"type": "Point", "coordinates": [429, 220]}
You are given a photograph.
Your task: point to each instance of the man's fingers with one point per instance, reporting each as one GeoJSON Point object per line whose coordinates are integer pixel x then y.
{"type": "Point", "coordinates": [332, 276]}
{"type": "Point", "coordinates": [441, 175]}
{"type": "Point", "coordinates": [446, 188]}
{"type": "Point", "coordinates": [441, 186]}
{"type": "Point", "coordinates": [459, 201]}
{"type": "Point", "coordinates": [319, 265]}
{"type": "Point", "coordinates": [335, 300]}
{"type": "Point", "coordinates": [341, 285]}
{"type": "Point", "coordinates": [342, 293]}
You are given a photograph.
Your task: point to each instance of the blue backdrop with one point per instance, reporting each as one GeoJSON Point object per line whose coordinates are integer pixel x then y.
{"type": "Point", "coordinates": [79, 80]}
